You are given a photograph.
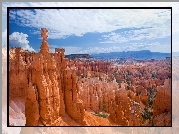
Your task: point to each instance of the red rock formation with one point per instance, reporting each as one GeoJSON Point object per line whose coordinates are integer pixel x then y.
{"type": "Point", "coordinates": [73, 105]}
{"type": "Point", "coordinates": [18, 75]}
{"type": "Point", "coordinates": [51, 89]}
{"type": "Point", "coordinates": [162, 101]}
{"type": "Point", "coordinates": [32, 106]}
{"type": "Point", "coordinates": [83, 67]}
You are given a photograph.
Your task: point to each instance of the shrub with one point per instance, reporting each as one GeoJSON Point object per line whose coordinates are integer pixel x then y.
{"type": "Point", "coordinates": [146, 114]}
{"type": "Point", "coordinates": [101, 114]}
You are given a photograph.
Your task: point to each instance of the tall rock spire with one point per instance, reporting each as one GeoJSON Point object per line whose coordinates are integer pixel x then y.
{"type": "Point", "coordinates": [44, 47]}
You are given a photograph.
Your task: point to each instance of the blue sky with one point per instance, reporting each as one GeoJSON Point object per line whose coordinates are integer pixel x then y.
{"type": "Point", "coordinates": [93, 31]}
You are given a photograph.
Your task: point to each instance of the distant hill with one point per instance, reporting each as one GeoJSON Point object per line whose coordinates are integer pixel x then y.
{"type": "Point", "coordinates": [138, 55]}
{"type": "Point", "coordinates": [77, 56]}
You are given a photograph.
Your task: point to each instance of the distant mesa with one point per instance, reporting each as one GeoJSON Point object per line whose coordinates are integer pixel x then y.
{"type": "Point", "coordinates": [78, 56]}
{"type": "Point", "coordinates": [138, 55]}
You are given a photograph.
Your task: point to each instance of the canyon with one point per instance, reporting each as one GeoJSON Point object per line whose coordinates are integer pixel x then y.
{"type": "Point", "coordinates": [47, 89]}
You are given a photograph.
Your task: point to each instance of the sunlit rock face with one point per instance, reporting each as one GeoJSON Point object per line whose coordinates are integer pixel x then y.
{"type": "Point", "coordinates": [48, 87]}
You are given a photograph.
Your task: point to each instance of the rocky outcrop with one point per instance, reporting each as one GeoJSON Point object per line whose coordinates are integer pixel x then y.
{"type": "Point", "coordinates": [49, 88]}
{"type": "Point", "coordinates": [82, 67]}
{"type": "Point", "coordinates": [18, 75]}
{"type": "Point", "coordinates": [162, 101]}
{"type": "Point", "coordinates": [99, 95]}
{"type": "Point", "coordinates": [32, 106]}
{"type": "Point", "coordinates": [74, 106]}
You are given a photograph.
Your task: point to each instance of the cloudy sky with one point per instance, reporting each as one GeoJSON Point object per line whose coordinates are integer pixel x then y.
{"type": "Point", "coordinates": [91, 30]}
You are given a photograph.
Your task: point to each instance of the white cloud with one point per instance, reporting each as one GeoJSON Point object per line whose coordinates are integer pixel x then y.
{"type": "Point", "coordinates": [65, 22]}
{"type": "Point", "coordinates": [114, 38]}
{"type": "Point", "coordinates": [4, 37]}
{"type": "Point", "coordinates": [154, 47]}
{"type": "Point", "coordinates": [150, 33]}
{"type": "Point", "coordinates": [17, 39]}
{"type": "Point", "coordinates": [60, 33]}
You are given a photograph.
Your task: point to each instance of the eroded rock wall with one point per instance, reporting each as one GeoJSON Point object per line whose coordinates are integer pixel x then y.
{"type": "Point", "coordinates": [43, 80]}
